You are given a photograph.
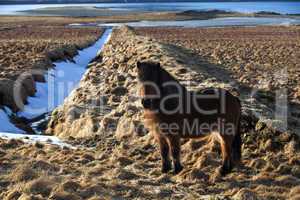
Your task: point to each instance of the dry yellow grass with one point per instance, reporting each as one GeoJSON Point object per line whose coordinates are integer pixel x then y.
{"type": "Point", "coordinates": [126, 164]}
{"type": "Point", "coordinates": [33, 47]}
{"type": "Point", "coordinates": [255, 56]}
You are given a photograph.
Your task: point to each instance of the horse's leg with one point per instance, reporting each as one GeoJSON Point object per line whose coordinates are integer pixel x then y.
{"type": "Point", "coordinates": [237, 145]}
{"type": "Point", "coordinates": [174, 143]}
{"type": "Point", "coordinates": [164, 152]}
{"type": "Point", "coordinates": [227, 164]}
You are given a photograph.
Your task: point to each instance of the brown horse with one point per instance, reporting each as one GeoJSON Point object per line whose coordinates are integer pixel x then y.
{"type": "Point", "coordinates": [172, 112]}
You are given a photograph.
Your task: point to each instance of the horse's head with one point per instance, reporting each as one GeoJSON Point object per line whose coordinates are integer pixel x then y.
{"type": "Point", "coordinates": [149, 76]}
{"type": "Point", "coordinates": [148, 71]}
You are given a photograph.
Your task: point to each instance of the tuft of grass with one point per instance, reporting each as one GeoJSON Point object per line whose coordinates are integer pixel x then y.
{"type": "Point", "coordinates": [96, 198]}
{"type": "Point", "coordinates": [12, 195]}
{"type": "Point", "coordinates": [62, 195]}
{"type": "Point", "coordinates": [11, 144]}
{"type": "Point", "coordinates": [71, 186]}
{"type": "Point", "coordinates": [92, 190]}
{"type": "Point", "coordinates": [30, 197]}
{"type": "Point", "coordinates": [43, 186]}
{"type": "Point", "coordinates": [295, 192]}
{"type": "Point", "coordinates": [39, 145]}
{"type": "Point", "coordinates": [23, 173]}
{"type": "Point", "coordinates": [246, 194]}
{"type": "Point", "coordinates": [44, 166]}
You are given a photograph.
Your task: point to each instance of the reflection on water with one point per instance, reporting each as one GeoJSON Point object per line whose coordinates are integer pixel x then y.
{"type": "Point", "coordinates": [219, 22]}
{"type": "Point", "coordinates": [279, 7]}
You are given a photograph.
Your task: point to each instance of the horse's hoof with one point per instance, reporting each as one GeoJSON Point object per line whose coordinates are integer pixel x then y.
{"type": "Point", "coordinates": [166, 168]}
{"type": "Point", "coordinates": [178, 169]}
{"type": "Point", "coordinates": [223, 170]}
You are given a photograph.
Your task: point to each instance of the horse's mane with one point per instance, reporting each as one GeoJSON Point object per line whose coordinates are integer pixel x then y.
{"type": "Point", "coordinates": [166, 84]}
{"type": "Point", "coordinates": [165, 77]}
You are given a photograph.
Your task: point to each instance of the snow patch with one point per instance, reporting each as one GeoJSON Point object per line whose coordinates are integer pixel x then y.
{"type": "Point", "coordinates": [6, 125]}
{"type": "Point", "coordinates": [35, 138]}
{"type": "Point", "coordinates": [60, 82]}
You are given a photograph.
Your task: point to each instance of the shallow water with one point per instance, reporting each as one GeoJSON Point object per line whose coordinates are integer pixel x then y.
{"type": "Point", "coordinates": [285, 7]}
{"type": "Point", "coordinates": [219, 22]}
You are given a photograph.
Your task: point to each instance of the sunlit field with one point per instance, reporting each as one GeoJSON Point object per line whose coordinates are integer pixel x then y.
{"type": "Point", "coordinates": [149, 101]}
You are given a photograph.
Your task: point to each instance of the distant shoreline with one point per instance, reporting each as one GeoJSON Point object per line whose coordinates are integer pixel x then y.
{"type": "Point", "coordinates": [133, 2]}
{"type": "Point", "coordinates": [135, 15]}
{"type": "Point", "coordinates": [90, 9]}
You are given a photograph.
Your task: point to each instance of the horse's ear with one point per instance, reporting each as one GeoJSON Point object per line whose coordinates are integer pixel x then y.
{"type": "Point", "coordinates": [138, 64]}
{"type": "Point", "coordinates": [158, 65]}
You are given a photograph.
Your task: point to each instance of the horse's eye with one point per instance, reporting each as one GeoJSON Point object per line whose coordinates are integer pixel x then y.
{"type": "Point", "coordinates": [146, 103]}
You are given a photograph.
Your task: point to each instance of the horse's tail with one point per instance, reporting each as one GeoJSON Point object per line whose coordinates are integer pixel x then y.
{"type": "Point", "coordinates": [237, 140]}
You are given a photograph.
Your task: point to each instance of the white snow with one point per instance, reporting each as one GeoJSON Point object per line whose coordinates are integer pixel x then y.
{"type": "Point", "coordinates": [60, 82]}
{"type": "Point", "coordinates": [35, 138]}
{"type": "Point", "coordinates": [6, 125]}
